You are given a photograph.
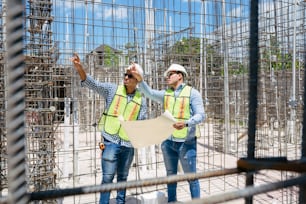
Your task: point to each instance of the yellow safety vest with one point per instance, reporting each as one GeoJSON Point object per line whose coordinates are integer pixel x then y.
{"type": "Point", "coordinates": [179, 107]}
{"type": "Point", "coordinates": [109, 121]}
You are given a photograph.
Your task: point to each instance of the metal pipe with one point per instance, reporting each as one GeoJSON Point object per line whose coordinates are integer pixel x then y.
{"type": "Point", "coordinates": [249, 191]}
{"type": "Point", "coordinates": [227, 132]}
{"type": "Point", "coordinates": [277, 163]}
{"type": "Point", "coordinates": [43, 195]}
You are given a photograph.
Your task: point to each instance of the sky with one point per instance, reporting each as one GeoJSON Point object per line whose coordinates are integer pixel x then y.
{"type": "Point", "coordinates": [123, 23]}
{"type": "Point", "coordinates": [118, 22]}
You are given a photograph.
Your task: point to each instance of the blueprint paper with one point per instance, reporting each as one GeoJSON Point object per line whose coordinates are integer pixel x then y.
{"type": "Point", "coordinates": [143, 133]}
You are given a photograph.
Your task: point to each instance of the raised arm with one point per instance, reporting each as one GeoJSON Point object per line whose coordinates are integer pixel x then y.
{"type": "Point", "coordinates": [78, 66]}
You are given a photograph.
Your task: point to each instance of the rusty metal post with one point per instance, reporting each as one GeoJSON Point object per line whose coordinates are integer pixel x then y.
{"type": "Point", "coordinates": [302, 193]}
{"type": "Point", "coordinates": [253, 60]}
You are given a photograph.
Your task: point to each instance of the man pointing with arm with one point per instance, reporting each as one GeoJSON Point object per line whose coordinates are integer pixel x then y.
{"type": "Point", "coordinates": [121, 100]}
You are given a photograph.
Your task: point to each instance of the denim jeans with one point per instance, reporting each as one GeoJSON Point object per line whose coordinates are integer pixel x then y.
{"type": "Point", "coordinates": [116, 159]}
{"type": "Point", "coordinates": [186, 153]}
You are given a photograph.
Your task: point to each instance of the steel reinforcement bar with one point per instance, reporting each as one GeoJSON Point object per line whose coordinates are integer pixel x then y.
{"type": "Point", "coordinates": [17, 186]}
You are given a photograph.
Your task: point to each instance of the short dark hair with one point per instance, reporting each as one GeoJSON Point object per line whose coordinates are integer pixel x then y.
{"type": "Point", "coordinates": [178, 72]}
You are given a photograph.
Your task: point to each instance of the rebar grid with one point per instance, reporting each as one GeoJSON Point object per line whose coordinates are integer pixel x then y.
{"type": "Point", "coordinates": [210, 38]}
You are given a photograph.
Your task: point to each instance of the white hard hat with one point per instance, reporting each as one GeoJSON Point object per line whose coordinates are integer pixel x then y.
{"type": "Point", "coordinates": [176, 67]}
{"type": "Point", "coordinates": [138, 68]}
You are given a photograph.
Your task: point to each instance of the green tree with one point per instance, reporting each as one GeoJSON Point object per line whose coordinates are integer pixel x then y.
{"type": "Point", "coordinates": [274, 56]}
{"type": "Point", "coordinates": [187, 50]}
{"type": "Point", "coordinates": [111, 56]}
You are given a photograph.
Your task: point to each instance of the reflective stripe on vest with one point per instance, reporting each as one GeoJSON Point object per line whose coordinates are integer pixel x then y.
{"type": "Point", "coordinates": [120, 106]}
{"type": "Point", "coordinates": [179, 107]}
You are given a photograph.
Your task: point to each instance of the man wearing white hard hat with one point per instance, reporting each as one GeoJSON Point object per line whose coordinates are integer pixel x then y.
{"type": "Point", "coordinates": [176, 68]}
{"type": "Point", "coordinates": [121, 100]}
{"type": "Point", "coordinates": [186, 105]}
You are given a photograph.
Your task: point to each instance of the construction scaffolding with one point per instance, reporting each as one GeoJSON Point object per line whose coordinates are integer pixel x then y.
{"type": "Point", "coordinates": [211, 39]}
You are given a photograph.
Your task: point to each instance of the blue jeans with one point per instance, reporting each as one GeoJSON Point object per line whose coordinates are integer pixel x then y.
{"type": "Point", "coordinates": [186, 153]}
{"type": "Point", "coordinates": [115, 159]}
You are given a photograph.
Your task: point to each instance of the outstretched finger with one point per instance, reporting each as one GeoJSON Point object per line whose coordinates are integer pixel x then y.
{"type": "Point", "coordinates": [72, 59]}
